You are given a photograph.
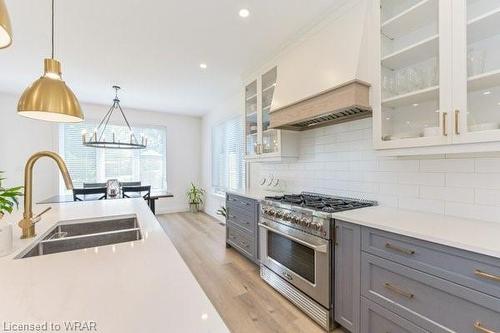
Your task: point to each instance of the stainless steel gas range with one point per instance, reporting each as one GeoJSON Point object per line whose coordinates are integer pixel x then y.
{"type": "Point", "coordinates": [296, 233]}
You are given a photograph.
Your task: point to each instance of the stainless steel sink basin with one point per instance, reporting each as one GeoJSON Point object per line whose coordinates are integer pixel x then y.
{"type": "Point", "coordinates": [73, 235]}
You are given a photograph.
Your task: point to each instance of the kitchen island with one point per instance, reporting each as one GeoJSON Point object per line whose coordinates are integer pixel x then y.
{"type": "Point", "coordinates": [140, 286]}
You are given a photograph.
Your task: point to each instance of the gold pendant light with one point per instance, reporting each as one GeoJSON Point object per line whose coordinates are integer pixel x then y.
{"type": "Point", "coordinates": [5, 27]}
{"type": "Point", "coordinates": [49, 98]}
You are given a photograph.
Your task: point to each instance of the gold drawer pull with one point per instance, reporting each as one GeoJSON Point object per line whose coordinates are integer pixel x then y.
{"type": "Point", "coordinates": [399, 249]}
{"type": "Point", "coordinates": [481, 328]}
{"type": "Point", "coordinates": [399, 291]}
{"type": "Point", "coordinates": [487, 275]}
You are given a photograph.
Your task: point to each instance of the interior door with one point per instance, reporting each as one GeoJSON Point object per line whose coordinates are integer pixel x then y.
{"type": "Point", "coordinates": [415, 73]}
{"type": "Point", "coordinates": [476, 71]}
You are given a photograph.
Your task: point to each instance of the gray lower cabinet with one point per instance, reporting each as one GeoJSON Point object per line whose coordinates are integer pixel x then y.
{"type": "Point", "coordinates": [410, 285]}
{"type": "Point", "coordinates": [347, 271]}
{"type": "Point", "coordinates": [376, 319]}
{"type": "Point", "coordinates": [242, 225]}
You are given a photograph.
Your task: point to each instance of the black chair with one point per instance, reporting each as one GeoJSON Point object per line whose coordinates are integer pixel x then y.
{"type": "Point", "coordinates": [128, 184]}
{"type": "Point", "coordinates": [94, 185]}
{"type": "Point", "coordinates": [127, 190]}
{"type": "Point", "coordinates": [78, 192]}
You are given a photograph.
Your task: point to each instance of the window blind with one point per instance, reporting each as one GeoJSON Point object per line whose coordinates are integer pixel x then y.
{"type": "Point", "coordinates": [228, 165]}
{"type": "Point", "coordinates": [92, 165]}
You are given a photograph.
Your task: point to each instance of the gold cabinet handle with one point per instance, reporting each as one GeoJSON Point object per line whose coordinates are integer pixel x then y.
{"type": "Point", "coordinates": [399, 291]}
{"type": "Point", "coordinates": [399, 249]}
{"type": "Point", "coordinates": [445, 132]}
{"type": "Point", "coordinates": [457, 122]}
{"type": "Point", "coordinates": [480, 328]}
{"type": "Point", "coordinates": [488, 276]}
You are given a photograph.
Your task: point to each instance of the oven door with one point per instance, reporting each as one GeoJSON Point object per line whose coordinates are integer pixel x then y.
{"type": "Point", "coordinates": [300, 258]}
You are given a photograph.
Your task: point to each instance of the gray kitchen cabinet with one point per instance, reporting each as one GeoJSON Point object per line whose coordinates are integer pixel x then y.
{"type": "Point", "coordinates": [347, 272]}
{"type": "Point", "coordinates": [242, 225]}
{"type": "Point", "coordinates": [386, 282]}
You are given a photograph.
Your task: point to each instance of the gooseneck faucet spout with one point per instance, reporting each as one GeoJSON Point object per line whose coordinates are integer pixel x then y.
{"type": "Point", "coordinates": [27, 224]}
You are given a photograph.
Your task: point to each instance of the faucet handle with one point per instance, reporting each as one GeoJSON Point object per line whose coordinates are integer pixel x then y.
{"type": "Point", "coordinates": [38, 217]}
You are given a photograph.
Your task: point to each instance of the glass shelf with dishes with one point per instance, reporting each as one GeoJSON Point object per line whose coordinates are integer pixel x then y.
{"type": "Point", "coordinates": [264, 143]}
{"type": "Point", "coordinates": [410, 71]}
{"type": "Point", "coordinates": [483, 69]}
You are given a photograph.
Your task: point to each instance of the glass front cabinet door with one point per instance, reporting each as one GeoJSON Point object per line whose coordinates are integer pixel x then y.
{"type": "Point", "coordinates": [414, 45]}
{"type": "Point", "coordinates": [477, 71]}
{"type": "Point", "coordinates": [262, 142]}
{"type": "Point", "coordinates": [439, 75]}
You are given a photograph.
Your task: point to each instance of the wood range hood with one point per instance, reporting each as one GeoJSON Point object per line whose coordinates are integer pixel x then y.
{"type": "Point", "coordinates": [345, 102]}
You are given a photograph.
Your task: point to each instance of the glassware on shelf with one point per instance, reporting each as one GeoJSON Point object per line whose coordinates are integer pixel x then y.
{"type": "Point", "coordinates": [475, 61]}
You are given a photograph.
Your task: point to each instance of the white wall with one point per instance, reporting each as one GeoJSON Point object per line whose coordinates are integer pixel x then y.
{"type": "Point", "coordinates": [20, 137]}
{"type": "Point", "coordinates": [340, 160]}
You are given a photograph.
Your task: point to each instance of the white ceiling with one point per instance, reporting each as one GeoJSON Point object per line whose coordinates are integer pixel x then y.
{"type": "Point", "coordinates": [152, 48]}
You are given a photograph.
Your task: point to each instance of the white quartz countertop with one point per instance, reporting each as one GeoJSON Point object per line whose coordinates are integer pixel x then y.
{"type": "Point", "coordinates": [472, 235]}
{"type": "Point", "coordinates": [249, 194]}
{"type": "Point", "coordinates": [141, 286]}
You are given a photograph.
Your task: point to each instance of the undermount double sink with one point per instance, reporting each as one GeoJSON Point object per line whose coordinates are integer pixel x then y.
{"type": "Point", "coordinates": [76, 235]}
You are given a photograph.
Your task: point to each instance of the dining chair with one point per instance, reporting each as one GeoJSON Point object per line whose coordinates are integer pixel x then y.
{"type": "Point", "coordinates": [127, 190]}
{"type": "Point", "coordinates": [127, 184]}
{"type": "Point", "coordinates": [79, 192]}
{"type": "Point", "coordinates": [94, 185]}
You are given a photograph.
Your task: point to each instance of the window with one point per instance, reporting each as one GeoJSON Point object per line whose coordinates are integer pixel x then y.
{"type": "Point", "coordinates": [228, 166]}
{"type": "Point", "coordinates": [95, 165]}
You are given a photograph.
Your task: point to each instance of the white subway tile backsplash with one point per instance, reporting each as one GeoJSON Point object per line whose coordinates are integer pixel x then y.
{"type": "Point", "coordinates": [443, 165]}
{"type": "Point", "coordinates": [340, 160]}
{"type": "Point", "coordinates": [454, 194]}
{"type": "Point", "coordinates": [488, 165]}
{"type": "Point", "coordinates": [487, 197]}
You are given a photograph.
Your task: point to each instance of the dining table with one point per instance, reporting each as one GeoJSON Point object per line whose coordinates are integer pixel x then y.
{"type": "Point", "coordinates": [155, 195]}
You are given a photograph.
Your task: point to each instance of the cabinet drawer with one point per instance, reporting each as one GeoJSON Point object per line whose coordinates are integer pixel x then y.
{"type": "Point", "coordinates": [476, 271]}
{"type": "Point", "coordinates": [241, 202]}
{"type": "Point", "coordinates": [244, 218]}
{"type": "Point", "coordinates": [430, 302]}
{"type": "Point", "coordinates": [241, 241]}
{"type": "Point", "coordinates": [376, 319]}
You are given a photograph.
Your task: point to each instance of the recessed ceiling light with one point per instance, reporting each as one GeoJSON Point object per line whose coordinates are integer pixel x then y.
{"type": "Point", "coordinates": [415, 105]}
{"type": "Point", "coordinates": [203, 66]}
{"type": "Point", "coordinates": [487, 92]}
{"type": "Point", "coordinates": [244, 12]}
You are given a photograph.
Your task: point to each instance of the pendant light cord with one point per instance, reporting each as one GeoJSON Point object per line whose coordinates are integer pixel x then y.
{"type": "Point", "coordinates": [52, 29]}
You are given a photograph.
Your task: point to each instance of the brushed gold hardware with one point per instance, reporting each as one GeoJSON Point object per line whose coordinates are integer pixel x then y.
{"type": "Point", "coordinates": [488, 276]}
{"type": "Point", "coordinates": [445, 132]}
{"type": "Point", "coordinates": [457, 124]}
{"type": "Point", "coordinates": [399, 249]}
{"type": "Point", "coordinates": [480, 328]}
{"type": "Point", "coordinates": [27, 224]}
{"type": "Point", "coordinates": [399, 291]}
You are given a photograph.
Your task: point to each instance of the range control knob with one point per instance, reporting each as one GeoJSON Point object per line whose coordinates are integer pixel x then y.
{"type": "Point", "coordinates": [304, 222]}
{"type": "Point", "coordinates": [295, 219]}
{"type": "Point", "coordinates": [279, 213]}
{"type": "Point", "coordinates": [271, 212]}
{"type": "Point", "coordinates": [287, 217]}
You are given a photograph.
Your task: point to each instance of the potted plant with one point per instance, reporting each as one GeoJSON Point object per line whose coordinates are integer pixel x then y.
{"type": "Point", "coordinates": [8, 201]}
{"type": "Point", "coordinates": [195, 197]}
{"type": "Point", "coordinates": [222, 212]}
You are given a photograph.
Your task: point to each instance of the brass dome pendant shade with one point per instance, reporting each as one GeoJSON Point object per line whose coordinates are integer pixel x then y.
{"type": "Point", "coordinates": [5, 27]}
{"type": "Point", "coordinates": [49, 98]}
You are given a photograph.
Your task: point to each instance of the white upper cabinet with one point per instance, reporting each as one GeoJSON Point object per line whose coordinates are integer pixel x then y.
{"type": "Point", "coordinates": [439, 76]}
{"type": "Point", "coordinates": [476, 70]}
{"type": "Point", "coordinates": [263, 143]}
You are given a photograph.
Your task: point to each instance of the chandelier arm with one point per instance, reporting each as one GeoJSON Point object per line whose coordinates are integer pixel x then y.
{"type": "Point", "coordinates": [107, 117]}
{"type": "Point", "coordinates": [123, 114]}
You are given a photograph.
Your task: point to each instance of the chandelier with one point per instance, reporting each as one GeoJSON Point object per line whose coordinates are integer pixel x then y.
{"type": "Point", "coordinates": [98, 139]}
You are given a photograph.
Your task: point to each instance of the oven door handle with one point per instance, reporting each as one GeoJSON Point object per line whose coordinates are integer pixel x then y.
{"type": "Point", "coordinates": [322, 248]}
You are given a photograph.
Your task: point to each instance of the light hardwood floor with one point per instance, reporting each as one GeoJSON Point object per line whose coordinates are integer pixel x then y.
{"type": "Point", "coordinates": [231, 282]}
